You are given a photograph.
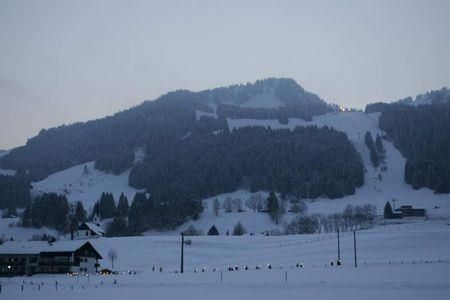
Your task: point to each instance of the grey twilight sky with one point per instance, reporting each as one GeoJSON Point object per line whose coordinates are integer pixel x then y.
{"type": "Point", "coordinates": [67, 61]}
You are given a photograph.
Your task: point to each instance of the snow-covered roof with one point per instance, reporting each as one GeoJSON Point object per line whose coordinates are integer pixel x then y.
{"type": "Point", "coordinates": [36, 247]}
{"type": "Point", "coordinates": [95, 228]}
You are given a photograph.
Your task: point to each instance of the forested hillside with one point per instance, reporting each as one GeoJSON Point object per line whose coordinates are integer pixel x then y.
{"type": "Point", "coordinates": [422, 134]}
{"type": "Point", "coordinates": [307, 162]}
{"type": "Point", "coordinates": [420, 129]}
{"type": "Point", "coordinates": [111, 141]}
{"type": "Point", "coordinates": [14, 191]}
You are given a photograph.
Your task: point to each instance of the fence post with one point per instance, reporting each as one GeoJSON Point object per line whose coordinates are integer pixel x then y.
{"type": "Point", "coordinates": [221, 276]}
{"type": "Point", "coordinates": [285, 276]}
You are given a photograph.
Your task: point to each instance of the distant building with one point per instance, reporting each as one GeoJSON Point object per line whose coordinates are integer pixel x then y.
{"type": "Point", "coordinates": [89, 230]}
{"type": "Point", "coordinates": [409, 211]}
{"type": "Point", "coordinates": [32, 257]}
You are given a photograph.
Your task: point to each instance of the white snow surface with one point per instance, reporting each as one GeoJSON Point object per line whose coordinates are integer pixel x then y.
{"type": "Point", "coordinates": [264, 100]}
{"type": "Point", "coordinates": [199, 114]}
{"type": "Point", "coordinates": [7, 172]}
{"type": "Point", "coordinates": [394, 262]}
{"type": "Point", "coordinates": [9, 228]}
{"type": "Point", "coordinates": [87, 188]}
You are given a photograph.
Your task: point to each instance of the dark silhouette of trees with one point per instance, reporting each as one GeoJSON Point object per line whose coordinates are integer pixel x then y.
{"type": "Point", "coordinates": [388, 212]}
{"type": "Point", "coordinates": [422, 135]}
{"type": "Point", "coordinates": [213, 230]}
{"type": "Point", "coordinates": [122, 206]}
{"type": "Point", "coordinates": [50, 210]}
{"type": "Point", "coordinates": [239, 229]}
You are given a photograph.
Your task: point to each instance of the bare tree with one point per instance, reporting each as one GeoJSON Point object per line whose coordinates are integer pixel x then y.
{"type": "Point", "coordinates": [349, 216]}
{"type": "Point", "coordinates": [300, 207]}
{"type": "Point", "coordinates": [227, 205]}
{"type": "Point", "coordinates": [237, 204]}
{"type": "Point", "coordinates": [254, 201]}
{"type": "Point", "coordinates": [192, 231]}
{"type": "Point", "coordinates": [303, 225]}
{"type": "Point", "coordinates": [262, 205]}
{"type": "Point", "coordinates": [216, 207]}
{"type": "Point", "coordinates": [112, 256]}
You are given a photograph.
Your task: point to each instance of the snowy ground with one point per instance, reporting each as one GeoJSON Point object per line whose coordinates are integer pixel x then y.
{"type": "Point", "coordinates": [408, 261]}
{"type": "Point", "coordinates": [9, 229]}
{"type": "Point", "coordinates": [86, 187]}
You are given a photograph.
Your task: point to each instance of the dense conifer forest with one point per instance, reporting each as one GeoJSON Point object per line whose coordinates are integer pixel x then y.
{"type": "Point", "coordinates": [307, 162]}
{"type": "Point", "coordinates": [422, 134]}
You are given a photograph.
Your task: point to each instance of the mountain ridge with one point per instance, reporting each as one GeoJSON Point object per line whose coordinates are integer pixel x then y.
{"type": "Point", "coordinates": [111, 141]}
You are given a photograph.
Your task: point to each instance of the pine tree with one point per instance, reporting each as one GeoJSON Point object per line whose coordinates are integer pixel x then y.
{"type": "Point", "coordinates": [137, 213]}
{"type": "Point", "coordinates": [373, 152]}
{"type": "Point", "coordinates": [379, 145]}
{"type": "Point", "coordinates": [80, 213]}
{"type": "Point", "coordinates": [239, 229]}
{"type": "Point", "coordinates": [26, 216]}
{"type": "Point", "coordinates": [388, 212]}
{"type": "Point", "coordinates": [122, 206]}
{"type": "Point", "coordinates": [213, 230]}
{"type": "Point", "coordinates": [216, 207]}
{"type": "Point", "coordinates": [107, 206]}
{"type": "Point", "coordinates": [118, 227]}
{"type": "Point", "coordinates": [273, 207]}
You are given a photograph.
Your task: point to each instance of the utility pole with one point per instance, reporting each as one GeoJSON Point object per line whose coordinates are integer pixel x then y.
{"type": "Point", "coordinates": [182, 252]}
{"type": "Point", "coordinates": [354, 246]}
{"type": "Point", "coordinates": [339, 249]}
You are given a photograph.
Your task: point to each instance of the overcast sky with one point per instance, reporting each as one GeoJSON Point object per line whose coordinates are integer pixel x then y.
{"type": "Point", "coordinates": [67, 61]}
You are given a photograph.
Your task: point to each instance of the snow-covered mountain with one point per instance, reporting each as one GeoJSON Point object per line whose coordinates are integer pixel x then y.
{"type": "Point", "coordinates": [96, 159]}
{"type": "Point", "coordinates": [79, 186]}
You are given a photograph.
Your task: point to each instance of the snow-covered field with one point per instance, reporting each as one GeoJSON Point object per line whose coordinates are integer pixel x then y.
{"type": "Point", "coordinates": [408, 261]}
{"type": "Point", "coordinates": [9, 229]}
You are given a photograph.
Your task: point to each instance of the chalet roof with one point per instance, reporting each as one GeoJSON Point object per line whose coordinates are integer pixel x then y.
{"type": "Point", "coordinates": [94, 227]}
{"type": "Point", "coordinates": [36, 247]}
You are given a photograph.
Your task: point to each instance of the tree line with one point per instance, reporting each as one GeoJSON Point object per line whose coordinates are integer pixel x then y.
{"type": "Point", "coordinates": [377, 152]}
{"type": "Point", "coordinates": [422, 135]}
